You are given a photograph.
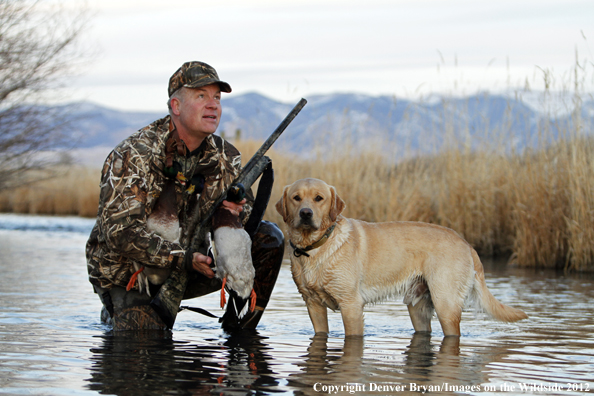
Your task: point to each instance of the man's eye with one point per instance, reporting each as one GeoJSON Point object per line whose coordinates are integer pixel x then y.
{"type": "Point", "coordinates": [319, 198]}
{"type": "Point", "coordinates": [297, 198]}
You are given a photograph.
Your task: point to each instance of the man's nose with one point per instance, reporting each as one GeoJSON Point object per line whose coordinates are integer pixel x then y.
{"type": "Point", "coordinates": [212, 103]}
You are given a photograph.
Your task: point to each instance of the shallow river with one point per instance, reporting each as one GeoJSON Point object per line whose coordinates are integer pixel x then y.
{"type": "Point", "coordinates": [52, 343]}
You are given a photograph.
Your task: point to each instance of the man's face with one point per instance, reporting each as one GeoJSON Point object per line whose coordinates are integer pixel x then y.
{"type": "Point", "coordinates": [200, 110]}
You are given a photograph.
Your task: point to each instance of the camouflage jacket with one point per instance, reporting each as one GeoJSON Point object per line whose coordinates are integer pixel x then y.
{"type": "Point", "coordinates": [132, 179]}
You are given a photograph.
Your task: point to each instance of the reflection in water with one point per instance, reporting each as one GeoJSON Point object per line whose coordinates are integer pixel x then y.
{"type": "Point", "coordinates": [449, 366]}
{"type": "Point", "coordinates": [152, 363]}
{"type": "Point", "coordinates": [348, 370]}
{"type": "Point", "coordinates": [247, 362]}
{"type": "Point", "coordinates": [428, 365]}
{"type": "Point", "coordinates": [423, 362]}
{"type": "Point", "coordinates": [328, 366]}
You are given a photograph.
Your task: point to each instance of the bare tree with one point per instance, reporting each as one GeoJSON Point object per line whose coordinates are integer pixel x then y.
{"type": "Point", "coordinates": [38, 49]}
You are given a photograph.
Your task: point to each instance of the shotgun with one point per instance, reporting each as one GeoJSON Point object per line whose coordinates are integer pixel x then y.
{"type": "Point", "coordinates": [167, 301]}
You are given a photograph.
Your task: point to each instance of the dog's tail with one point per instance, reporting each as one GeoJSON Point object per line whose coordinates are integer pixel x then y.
{"type": "Point", "coordinates": [487, 301]}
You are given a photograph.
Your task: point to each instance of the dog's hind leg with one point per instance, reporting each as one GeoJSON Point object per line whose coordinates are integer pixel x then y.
{"type": "Point", "coordinates": [451, 324]}
{"type": "Point", "coordinates": [449, 314]}
{"type": "Point", "coordinates": [419, 304]}
{"type": "Point", "coordinates": [421, 314]}
{"type": "Point", "coordinates": [449, 295]}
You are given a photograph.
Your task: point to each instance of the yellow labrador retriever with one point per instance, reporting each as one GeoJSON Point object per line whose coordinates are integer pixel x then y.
{"type": "Point", "coordinates": [343, 264]}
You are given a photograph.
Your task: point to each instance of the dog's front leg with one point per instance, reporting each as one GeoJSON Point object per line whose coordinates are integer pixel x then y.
{"type": "Point", "coordinates": [319, 316]}
{"type": "Point", "coordinates": [352, 318]}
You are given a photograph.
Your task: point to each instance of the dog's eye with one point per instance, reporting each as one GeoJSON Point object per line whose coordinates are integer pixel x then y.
{"type": "Point", "coordinates": [318, 198]}
{"type": "Point", "coordinates": [297, 198]}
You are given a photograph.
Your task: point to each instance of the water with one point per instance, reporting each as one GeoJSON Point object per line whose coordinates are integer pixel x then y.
{"type": "Point", "coordinates": [52, 343]}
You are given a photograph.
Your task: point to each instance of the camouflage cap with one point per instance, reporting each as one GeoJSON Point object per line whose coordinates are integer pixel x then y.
{"type": "Point", "coordinates": [195, 75]}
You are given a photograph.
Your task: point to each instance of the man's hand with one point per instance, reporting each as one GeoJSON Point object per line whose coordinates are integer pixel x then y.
{"type": "Point", "coordinates": [235, 208]}
{"type": "Point", "coordinates": [201, 263]}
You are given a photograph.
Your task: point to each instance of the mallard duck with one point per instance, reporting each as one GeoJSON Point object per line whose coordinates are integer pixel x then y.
{"type": "Point", "coordinates": [234, 267]}
{"type": "Point", "coordinates": [164, 222]}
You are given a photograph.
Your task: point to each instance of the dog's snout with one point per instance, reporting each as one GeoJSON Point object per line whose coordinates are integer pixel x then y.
{"type": "Point", "coordinates": [306, 213]}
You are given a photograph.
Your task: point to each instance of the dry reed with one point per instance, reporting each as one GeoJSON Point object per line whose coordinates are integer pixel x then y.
{"type": "Point", "coordinates": [63, 191]}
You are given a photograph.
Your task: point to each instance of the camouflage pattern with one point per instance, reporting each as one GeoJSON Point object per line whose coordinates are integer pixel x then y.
{"type": "Point", "coordinates": [132, 179]}
{"type": "Point", "coordinates": [138, 317]}
{"type": "Point", "coordinates": [167, 301]}
{"type": "Point", "coordinates": [195, 75]}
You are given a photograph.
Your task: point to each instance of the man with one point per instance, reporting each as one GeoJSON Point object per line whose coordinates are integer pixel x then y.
{"type": "Point", "coordinates": [180, 157]}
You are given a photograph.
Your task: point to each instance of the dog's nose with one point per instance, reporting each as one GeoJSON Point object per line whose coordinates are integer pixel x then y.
{"type": "Point", "coordinates": [306, 213]}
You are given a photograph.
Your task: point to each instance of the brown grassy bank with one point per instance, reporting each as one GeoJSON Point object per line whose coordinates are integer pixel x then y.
{"type": "Point", "coordinates": [62, 191]}
{"type": "Point", "coordinates": [537, 208]}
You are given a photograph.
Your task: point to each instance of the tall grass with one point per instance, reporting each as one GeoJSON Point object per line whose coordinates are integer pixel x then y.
{"type": "Point", "coordinates": [64, 191]}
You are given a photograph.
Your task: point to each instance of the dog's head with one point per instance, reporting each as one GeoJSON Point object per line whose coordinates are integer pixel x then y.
{"type": "Point", "coordinates": [310, 204]}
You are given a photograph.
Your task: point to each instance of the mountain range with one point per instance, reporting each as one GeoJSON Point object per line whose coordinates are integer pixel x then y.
{"type": "Point", "coordinates": [420, 126]}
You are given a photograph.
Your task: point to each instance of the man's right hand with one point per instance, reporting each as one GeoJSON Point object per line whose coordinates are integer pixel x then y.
{"type": "Point", "coordinates": [201, 263]}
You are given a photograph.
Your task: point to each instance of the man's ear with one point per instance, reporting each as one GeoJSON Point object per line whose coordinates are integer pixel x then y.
{"type": "Point", "coordinates": [174, 103]}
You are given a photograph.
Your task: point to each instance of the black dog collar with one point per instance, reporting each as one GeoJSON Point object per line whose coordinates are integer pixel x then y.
{"type": "Point", "coordinates": [303, 252]}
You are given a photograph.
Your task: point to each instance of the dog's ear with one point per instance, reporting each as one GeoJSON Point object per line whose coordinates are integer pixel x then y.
{"type": "Point", "coordinates": [281, 205]}
{"type": "Point", "coordinates": [338, 204]}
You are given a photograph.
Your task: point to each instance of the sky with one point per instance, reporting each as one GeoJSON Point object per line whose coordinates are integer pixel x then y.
{"type": "Point", "coordinates": [289, 49]}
